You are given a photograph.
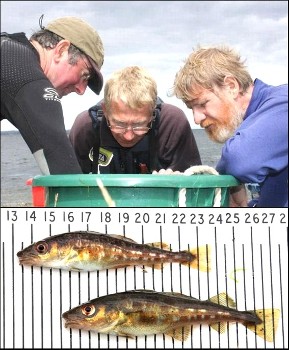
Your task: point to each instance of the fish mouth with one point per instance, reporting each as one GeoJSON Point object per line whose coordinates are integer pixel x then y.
{"type": "Point", "coordinates": [23, 256]}
{"type": "Point", "coordinates": [67, 318]}
{"type": "Point", "coordinates": [69, 323]}
{"type": "Point", "coordinates": [64, 315]}
{"type": "Point", "coordinates": [26, 260]}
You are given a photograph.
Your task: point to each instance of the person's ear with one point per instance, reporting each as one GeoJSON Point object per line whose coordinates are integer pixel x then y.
{"type": "Point", "coordinates": [231, 85]}
{"type": "Point", "coordinates": [61, 49]}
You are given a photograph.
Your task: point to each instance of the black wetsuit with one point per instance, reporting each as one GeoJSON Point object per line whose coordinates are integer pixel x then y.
{"type": "Point", "coordinates": [32, 105]}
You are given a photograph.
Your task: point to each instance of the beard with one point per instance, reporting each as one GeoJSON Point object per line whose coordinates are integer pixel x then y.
{"type": "Point", "coordinates": [223, 131]}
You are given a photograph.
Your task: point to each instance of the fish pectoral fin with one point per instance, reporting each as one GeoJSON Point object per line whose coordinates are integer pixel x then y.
{"type": "Point", "coordinates": [73, 253]}
{"type": "Point", "coordinates": [223, 299]}
{"type": "Point", "coordinates": [268, 327]}
{"type": "Point", "coordinates": [202, 259]}
{"type": "Point", "coordinates": [220, 327]}
{"type": "Point", "coordinates": [71, 258]}
{"type": "Point", "coordinates": [117, 326]}
{"type": "Point", "coordinates": [73, 268]}
{"type": "Point", "coordinates": [180, 334]}
{"type": "Point", "coordinates": [160, 245]}
{"type": "Point", "coordinates": [122, 334]}
{"type": "Point", "coordinates": [75, 259]}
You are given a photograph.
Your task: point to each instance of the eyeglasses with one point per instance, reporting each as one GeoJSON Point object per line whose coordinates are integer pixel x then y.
{"type": "Point", "coordinates": [137, 130]}
{"type": "Point", "coordinates": [87, 76]}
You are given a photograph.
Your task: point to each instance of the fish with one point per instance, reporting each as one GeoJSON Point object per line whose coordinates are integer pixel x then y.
{"type": "Point", "coordinates": [92, 251]}
{"type": "Point", "coordinates": [146, 312]}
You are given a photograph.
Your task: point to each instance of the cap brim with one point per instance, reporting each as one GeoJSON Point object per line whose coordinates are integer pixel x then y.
{"type": "Point", "coordinates": [95, 83]}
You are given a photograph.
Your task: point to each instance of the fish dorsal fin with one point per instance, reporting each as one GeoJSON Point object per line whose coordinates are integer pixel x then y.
{"type": "Point", "coordinates": [175, 294]}
{"type": "Point", "coordinates": [144, 290]}
{"type": "Point", "coordinates": [180, 334]}
{"type": "Point", "coordinates": [223, 299]}
{"type": "Point", "coordinates": [160, 245]}
{"type": "Point", "coordinates": [123, 238]}
{"type": "Point", "coordinates": [268, 327]}
{"type": "Point", "coordinates": [180, 295]}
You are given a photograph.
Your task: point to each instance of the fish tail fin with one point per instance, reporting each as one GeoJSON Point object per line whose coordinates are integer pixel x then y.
{"type": "Point", "coordinates": [203, 258]}
{"type": "Point", "coordinates": [269, 325]}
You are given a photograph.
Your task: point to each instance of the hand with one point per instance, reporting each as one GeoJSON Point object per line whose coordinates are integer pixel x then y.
{"type": "Point", "coordinates": [238, 197]}
{"type": "Point", "coordinates": [166, 172]}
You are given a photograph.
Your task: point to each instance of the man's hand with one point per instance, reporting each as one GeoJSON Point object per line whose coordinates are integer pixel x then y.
{"type": "Point", "coordinates": [238, 197]}
{"type": "Point", "coordinates": [166, 172]}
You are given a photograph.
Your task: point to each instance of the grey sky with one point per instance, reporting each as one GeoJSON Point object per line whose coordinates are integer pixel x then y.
{"type": "Point", "coordinates": [159, 35]}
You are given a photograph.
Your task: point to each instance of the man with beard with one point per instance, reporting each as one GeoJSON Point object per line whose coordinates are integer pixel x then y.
{"type": "Point", "coordinates": [249, 116]}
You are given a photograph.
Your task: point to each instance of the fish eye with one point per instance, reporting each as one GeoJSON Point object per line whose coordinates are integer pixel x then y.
{"type": "Point", "coordinates": [88, 310]}
{"type": "Point", "coordinates": [41, 247]}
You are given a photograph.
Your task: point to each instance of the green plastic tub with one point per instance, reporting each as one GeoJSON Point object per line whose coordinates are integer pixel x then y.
{"type": "Point", "coordinates": [145, 190]}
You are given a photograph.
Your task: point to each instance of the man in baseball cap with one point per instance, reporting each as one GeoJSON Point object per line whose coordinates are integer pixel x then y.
{"type": "Point", "coordinates": [63, 57]}
{"type": "Point", "coordinates": [86, 39]}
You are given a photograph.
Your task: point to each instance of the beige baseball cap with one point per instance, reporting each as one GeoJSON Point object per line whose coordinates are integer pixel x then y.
{"type": "Point", "coordinates": [86, 39]}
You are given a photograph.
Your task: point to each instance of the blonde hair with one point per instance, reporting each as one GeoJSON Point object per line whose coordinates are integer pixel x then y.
{"type": "Point", "coordinates": [133, 85]}
{"type": "Point", "coordinates": [207, 68]}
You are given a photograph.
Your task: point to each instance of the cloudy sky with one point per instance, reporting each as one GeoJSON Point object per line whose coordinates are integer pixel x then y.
{"type": "Point", "coordinates": [159, 35]}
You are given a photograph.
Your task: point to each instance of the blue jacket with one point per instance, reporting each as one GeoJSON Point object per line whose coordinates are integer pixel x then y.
{"type": "Point", "coordinates": [258, 152]}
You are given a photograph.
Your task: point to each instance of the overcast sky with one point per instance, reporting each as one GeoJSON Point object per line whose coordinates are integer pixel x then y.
{"type": "Point", "coordinates": [159, 35]}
